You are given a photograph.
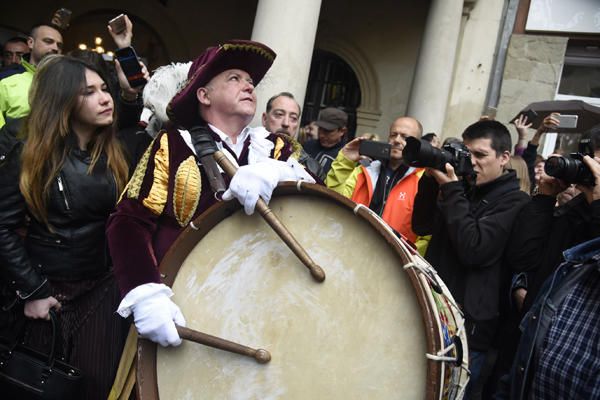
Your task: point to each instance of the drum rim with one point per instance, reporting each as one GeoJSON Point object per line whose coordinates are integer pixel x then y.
{"type": "Point", "coordinates": [147, 383]}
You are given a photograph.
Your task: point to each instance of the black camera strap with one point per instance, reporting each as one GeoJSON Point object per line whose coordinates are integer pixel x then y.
{"type": "Point", "coordinates": [386, 180]}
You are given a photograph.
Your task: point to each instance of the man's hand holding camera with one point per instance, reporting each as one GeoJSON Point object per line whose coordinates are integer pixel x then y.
{"type": "Point", "coordinates": [592, 193]}
{"type": "Point", "coordinates": [350, 150]}
{"type": "Point", "coordinates": [441, 177]}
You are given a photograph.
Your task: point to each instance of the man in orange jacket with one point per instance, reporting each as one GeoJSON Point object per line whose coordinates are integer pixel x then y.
{"type": "Point", "coordinates": [387, 188]}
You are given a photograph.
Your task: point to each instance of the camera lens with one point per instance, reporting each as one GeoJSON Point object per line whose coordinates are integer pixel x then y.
{"type": "Point", "coordinates": [569, 170]}
{"type": "Point", "coordinates": [420, 153]}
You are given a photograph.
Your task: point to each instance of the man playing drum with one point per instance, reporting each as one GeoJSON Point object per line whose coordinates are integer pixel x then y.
{"type": "Point", "coordinates": [168, 188]}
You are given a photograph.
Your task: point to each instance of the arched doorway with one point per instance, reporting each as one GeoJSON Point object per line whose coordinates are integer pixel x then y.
{"type": "Point", "coordinates": [331, 83]}
{"type": "Point", "coordinates": [87, 27]}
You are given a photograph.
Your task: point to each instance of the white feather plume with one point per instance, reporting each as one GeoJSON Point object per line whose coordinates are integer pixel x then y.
{"type": "Point", "coordinates": [164, 84]}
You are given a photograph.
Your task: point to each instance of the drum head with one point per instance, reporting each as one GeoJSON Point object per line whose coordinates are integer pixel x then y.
{"type": "Point", "coordinates": [361, 334]}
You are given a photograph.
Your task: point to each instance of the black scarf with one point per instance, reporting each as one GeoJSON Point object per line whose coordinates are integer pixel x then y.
{"type": "Point", "coordinates": [387, 179]}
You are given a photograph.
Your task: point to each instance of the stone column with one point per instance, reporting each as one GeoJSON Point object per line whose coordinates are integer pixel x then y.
{"type": "Point", "coordinates": [435, 67]}
{"type": "Point", "coordinates": [288, 27]}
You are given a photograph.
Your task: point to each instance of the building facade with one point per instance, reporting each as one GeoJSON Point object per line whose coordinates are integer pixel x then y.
{"type": "Point", "coordinates": [445, 62]}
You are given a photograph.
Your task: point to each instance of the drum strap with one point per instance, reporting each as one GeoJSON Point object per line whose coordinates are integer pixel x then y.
{"type": "Point", "coordinates": [205, 147]}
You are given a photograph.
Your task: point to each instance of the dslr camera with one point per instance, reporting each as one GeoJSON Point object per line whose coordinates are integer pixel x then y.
{"type": "Point", "coordinates": [420, 153]}
{"type": "Point", "coordinates": [572, 169]}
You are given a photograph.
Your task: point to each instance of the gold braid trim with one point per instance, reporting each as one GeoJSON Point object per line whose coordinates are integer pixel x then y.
{"type": "Point", "coordinates": [135, 183]}
{"type": "Point", "coordinates": [157, 198]}
{"type": "Point", "coordinates": [297, 148]}
{"type": "Point", "coordinates": [249, 47]}
{"type": "Point", "coordinates": [279, 143]}
{"type": "Point", "coordinates": [186, 193]}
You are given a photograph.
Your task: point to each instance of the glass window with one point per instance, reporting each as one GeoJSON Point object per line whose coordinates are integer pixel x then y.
{"type": "Point", "coordinates": [581, 71]}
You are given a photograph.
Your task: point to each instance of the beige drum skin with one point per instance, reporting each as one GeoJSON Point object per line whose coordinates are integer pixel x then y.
{"type": "Point", "coordinates": [358, 335]}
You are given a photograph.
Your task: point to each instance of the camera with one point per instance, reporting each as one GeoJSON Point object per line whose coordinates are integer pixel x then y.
{"type": "Point", "coordinates": [375, 150]}
{"type": "Point", "coordinates": [420, 153]}
{"type": "Point", "coordinates": [572, 169]}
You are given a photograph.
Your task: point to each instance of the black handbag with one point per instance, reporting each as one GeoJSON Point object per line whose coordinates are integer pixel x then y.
{"type": "Point", "coordinates": [28, 374]}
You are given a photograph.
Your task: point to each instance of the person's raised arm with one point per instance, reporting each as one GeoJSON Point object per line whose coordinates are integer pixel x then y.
{"type": "Point", "coordinates": [122, 39]}
{"type": "Point", "coordinates": [341, 177]}
{"type": "Point", "coordinates": [522, 125]}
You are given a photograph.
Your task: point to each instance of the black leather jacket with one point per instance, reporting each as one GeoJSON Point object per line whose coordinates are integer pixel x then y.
{"type": "Point", "coordinates": [78, 207]}
{"type": "Point", "coordinates": [14, 263]}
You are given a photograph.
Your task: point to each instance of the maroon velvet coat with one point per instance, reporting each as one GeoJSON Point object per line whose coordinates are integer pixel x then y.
{"type": "Point", "coordinates": [167, 190]}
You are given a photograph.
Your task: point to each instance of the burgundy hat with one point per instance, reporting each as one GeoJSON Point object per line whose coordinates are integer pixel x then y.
{"type": "Point", "coordinates": [253, 57]}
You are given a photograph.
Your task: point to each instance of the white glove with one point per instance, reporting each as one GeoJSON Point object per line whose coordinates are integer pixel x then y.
{"type": "Point", "coordinates": [250, 182]}
{"type": "Point", "coordinates": [292, 170]}
{"type": "Point", "coordinates": [260, 179]}
{"type": "Point", "coordinates": [154, 314]}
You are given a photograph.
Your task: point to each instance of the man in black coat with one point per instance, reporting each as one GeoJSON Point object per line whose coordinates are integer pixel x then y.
{"type": "Point", "coordinates": [470, 227]}
{"type": "Point", "coordinates": [332, 125]}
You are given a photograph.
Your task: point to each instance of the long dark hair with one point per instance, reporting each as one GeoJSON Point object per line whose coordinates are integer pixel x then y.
{"type": "Point", "coordinates": [54, 97]}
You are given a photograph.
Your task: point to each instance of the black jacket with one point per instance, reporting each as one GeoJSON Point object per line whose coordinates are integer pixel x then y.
{"type": "Point", "coordinates": [324, 156]}
{"type": "Point", "coordinates": [14, 263]}
{"type": "Point", "coordinates": [543, 232]}
{"type": "Point", "coordinates": [467, 247]}
{"type": "Point", "coordinates": [75, 246]}
{"type": "Point", "coordinates": [78, 209]}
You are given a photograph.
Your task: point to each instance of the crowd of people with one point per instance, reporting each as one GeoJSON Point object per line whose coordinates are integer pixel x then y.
{"type": "Point", "coordinates": [98, 179]}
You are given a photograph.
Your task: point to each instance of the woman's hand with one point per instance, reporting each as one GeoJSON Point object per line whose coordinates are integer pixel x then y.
{"type": "Point", "coordinates": [522, 124]}
{"type": "Point", "coordinates": [551, 122]}
{"type": "Point", "coordinates": [123, 39]}
{"type": "Point", "coordinates": [127, 92]}
{"type": "Point", "coordinates": [39, 309]}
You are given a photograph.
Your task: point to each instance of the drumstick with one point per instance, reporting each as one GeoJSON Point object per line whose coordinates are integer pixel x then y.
{"type": "Point", "coordinates": [260, 355]}
{"type": "Point", "coordinates": [317, 272]}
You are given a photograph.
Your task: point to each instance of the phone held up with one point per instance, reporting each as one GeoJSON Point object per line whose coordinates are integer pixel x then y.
{"type": "Point", "coordinates": [567, 120]}
{"type": "Point", "coordinates": [131, 66]}
{"type": "Point", "coordinates": [375, 150]}
{"type": "Point", "coordinates": [117, 24]}
{"type": "Point", "coordinates": [62, 18]}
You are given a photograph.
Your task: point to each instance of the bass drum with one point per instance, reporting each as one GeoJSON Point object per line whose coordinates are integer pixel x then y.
{"type": "Point", "coordinates": [381, 326]}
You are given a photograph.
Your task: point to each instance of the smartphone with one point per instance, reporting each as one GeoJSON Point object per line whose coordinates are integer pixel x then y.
{"type": "Point", "coordinates": [375, 150]}
{"type": "Point", "coordinates": [117, 24]}
{"type": "Point", "coordinates": [62, 18]}
{"type": "Point", "coordinates": [567, 120]}
{"type": "Point", "coordinates": [131, 66]}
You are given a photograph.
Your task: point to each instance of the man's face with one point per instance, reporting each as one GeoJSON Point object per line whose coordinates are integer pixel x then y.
{"type": "Point", "coordinates": [399, 131]}
{"type": "Point", "coordinates": [230, 94]}
{"type": "Point", "coordinates": [486, 162]}
{"type": "Point", "coordinates": [283, 117]}
{"type": "Point", "coordinates": [13, 51]}
{"type": "Point", "coordinates": [329, 139]}
{"type": "Point", "coordinates": [45, 40]}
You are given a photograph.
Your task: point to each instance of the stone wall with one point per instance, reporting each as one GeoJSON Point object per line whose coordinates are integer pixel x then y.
{"type": "Point", "coordinates": [532, 73]}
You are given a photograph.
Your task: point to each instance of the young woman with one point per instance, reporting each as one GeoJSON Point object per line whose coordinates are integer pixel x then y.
{"type": "Point", "coordinates": [72, 172]}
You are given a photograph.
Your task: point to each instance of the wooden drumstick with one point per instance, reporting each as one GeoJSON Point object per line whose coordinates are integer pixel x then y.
{"type": "Point", "coordinates": [316, 271]}
{"type": "Point", "coordinates": [260, 355]}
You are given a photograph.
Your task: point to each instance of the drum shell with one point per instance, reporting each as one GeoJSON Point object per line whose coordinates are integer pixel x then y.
{"type": "Point", "coordinates": [424, 326]}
